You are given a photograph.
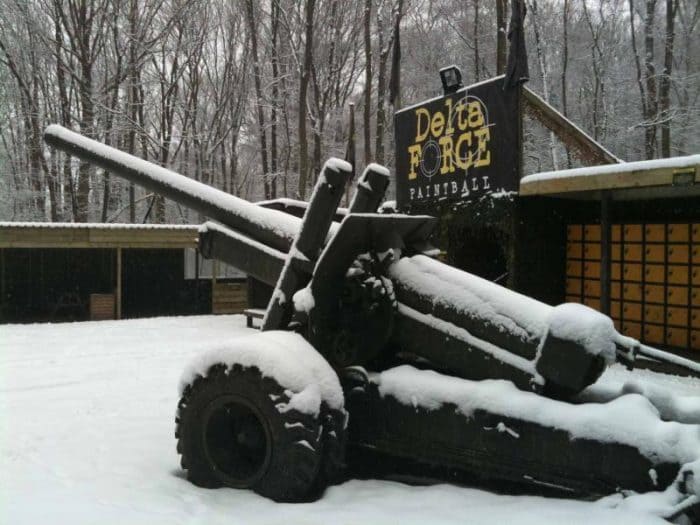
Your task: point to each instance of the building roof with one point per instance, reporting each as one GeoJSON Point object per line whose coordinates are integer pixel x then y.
{"type": "Point", "coordinates": [96, 235]}
{"type": "Point", "coordinates": [673, 177]}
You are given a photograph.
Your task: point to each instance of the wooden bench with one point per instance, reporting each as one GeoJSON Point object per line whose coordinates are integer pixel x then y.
{"type": "Point", "coordinates": [253, 313]}
{"type": "Point", "coordinates": [228, 298]}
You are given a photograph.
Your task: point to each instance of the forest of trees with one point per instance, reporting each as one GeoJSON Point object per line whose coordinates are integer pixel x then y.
{"type": "Point", "coordinates": [252, 96]}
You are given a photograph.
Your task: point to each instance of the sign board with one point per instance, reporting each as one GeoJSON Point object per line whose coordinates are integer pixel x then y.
{"type": "Point", "coordinates": [458, 147]}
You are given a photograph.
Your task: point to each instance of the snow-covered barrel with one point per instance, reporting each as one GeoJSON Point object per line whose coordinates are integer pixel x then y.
{"type": "Point", "coordinates": [273, 228]}
{"type": "Point", "coordinates": [562, 349]}
{"type": "Point", "coordinates": [486, 310]}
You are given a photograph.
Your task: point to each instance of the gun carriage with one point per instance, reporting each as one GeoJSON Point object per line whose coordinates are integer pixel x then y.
{"type": "Point", "coordinates": [435, 364]}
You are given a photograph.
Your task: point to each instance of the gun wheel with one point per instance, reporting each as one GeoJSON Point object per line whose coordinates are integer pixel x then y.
{"type": "Point", "coordinates": [234, 429]}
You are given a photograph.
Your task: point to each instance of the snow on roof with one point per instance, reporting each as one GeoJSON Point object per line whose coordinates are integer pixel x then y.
{"type": "Point", "coordinates": [689, 161]}
{"type": "Point", "coordinates": [658, 172]}
{"type": "Point", "coordinates": [103, 225]}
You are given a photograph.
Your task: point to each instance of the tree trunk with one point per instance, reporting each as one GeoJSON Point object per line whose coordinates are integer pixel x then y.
{"type": "Point", "coordinates": [542, 63]}
{"type": "Point", "coordinates": [638, 66]}
{"type": "Point", "coordinates": [475, 38]}
{"type": "Point", "coordinates": [274, 162]}
{"type": "Point", "coordinates": [132, 99]}
{"type": "Point", "coordinates": [381, 91]}
{"type": "Point", "coordinates": [501, 36]}
{"type": "Point", "coordinates": [257, 76]}
{"type": "Point", "coordinates": [368, 81]}
{"type": "Point", "coordinates": [564, 69]}
{"type": "Point", "coordinates": [303, 89]}
{"type": "Point", "coordinates": [650, 77]}
{"type": "Point", "coordinates": [112, 110]}
{"type": "Point", "coordinates": [665, 81]}
{"type": "Point", "coordinates": [87, 129]}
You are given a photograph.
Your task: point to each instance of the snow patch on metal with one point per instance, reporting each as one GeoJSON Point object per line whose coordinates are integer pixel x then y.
{"type": "Point", "coordinates": [284, 356]}
{"type": "Point", "coordinates": [630, 419]}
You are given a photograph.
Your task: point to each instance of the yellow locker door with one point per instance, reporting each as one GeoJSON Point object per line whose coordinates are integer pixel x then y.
{"type": "Point", "coordinates": [654, 334]}
{"type": "Point", "coordinates": [654, 314]}
{"type": "Point", "coordinates": [655, 233]}
{"type": "Point", "coordinates": [678, 232]}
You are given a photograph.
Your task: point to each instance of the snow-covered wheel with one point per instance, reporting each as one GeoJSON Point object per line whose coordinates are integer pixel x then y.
{"type": "Point", "coordinates": [241, 425]}
{"type": "Point", "coordinates": [231, 433]}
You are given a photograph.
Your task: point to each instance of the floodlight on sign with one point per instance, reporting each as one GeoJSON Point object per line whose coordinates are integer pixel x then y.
{"type": "Point", "coordinates": [451, 78]}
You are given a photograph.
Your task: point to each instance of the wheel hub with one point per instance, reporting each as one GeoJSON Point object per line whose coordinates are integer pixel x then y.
{"type": "Point", "coordinates": [237, 441]}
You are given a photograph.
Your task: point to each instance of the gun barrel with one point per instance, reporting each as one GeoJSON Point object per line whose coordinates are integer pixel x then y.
{"type": "Point", "coordinates": [270, 227]}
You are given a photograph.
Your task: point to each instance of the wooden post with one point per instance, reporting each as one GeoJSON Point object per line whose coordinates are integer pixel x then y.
{"type": "Point", "coordinates": [196, 277]}
{"type": "Point", "coordinates": [118, 298]}
{"type": "Point", "coordinates": [605, 252]}
{"type": "Point", "coordinates": [2, 277]}
{"type": "Point", "coordinates": [214, 271]}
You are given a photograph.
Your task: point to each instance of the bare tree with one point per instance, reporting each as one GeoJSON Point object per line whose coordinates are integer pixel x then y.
{"type": "Point", "coordinates": [257, 76]}
{"type": "Point", "coordinates": [186, 83]}
{"type": "Point", "coordinates": [501, 36]}
{"type": "Point", "coordinates": [304, 75]}
{"type": "Point", "coordinates": [665, 80]}
{"type": "Point", "coordinates": [367, 110]}
{"type": "Point", "coordinates": [542, 63]}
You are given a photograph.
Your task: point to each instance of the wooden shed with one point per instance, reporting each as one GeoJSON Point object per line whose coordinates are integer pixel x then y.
{"type": "Point", "coordinates": [76, 271]}
{"type": "Point", "coordinates": [631, 233]}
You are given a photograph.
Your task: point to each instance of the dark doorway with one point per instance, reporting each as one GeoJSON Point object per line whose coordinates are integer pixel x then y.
{"type": "Point", "coordinates": [53, 284]}
{"type": "Point", "coordinates": [154, 284]}
{"type": "Point", "coordinates": [481, 252]}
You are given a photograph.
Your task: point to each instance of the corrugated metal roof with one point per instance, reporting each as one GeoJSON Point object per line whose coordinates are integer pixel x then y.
{"type": "Point", "coordinates": [96, 235]}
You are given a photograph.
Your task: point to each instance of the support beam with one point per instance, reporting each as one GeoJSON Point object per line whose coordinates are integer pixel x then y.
{"type": "Point", "coordinates": [2, 278]}
{"type": "Point", "coordinates": [605, 252]}
{"type": "Point", "coordinates": [214, 271]}
{"type": "Point", "coordinates": [118, 294]}
{"type": "Point", "coordinates": [586, 148]}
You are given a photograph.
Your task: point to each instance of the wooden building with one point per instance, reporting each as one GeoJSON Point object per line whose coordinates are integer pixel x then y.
{"type": "Point", "coordinates": [621, 237]}
{"type": "Point", "coordinates": [631, 234]}
{"type": "Point", "coordinates": [72, 271]}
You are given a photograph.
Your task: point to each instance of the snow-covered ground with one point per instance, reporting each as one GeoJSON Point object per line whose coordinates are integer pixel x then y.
{"type": "Point", "coordinates": [86, 436]}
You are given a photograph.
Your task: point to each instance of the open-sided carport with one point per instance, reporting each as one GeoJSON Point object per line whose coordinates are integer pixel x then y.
{"type": "Point", "coordinates": [71, 271]}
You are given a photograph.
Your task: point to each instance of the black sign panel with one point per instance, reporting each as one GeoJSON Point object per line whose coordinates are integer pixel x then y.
{"type": "Point", "coordinates": [458, 147]}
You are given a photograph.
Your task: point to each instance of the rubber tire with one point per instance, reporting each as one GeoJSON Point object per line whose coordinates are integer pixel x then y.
{"type": "Point", "coordinates": [334, 442]}
{"type": "Point", "coordinates": [293, 472]}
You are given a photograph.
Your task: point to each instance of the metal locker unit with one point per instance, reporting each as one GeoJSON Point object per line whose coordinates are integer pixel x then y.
{"type": "Point", "coordinates": [655, 279]}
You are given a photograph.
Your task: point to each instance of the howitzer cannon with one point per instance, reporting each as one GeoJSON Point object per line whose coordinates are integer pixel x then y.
{"type": "Point", "coordinates": [428, 358]}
